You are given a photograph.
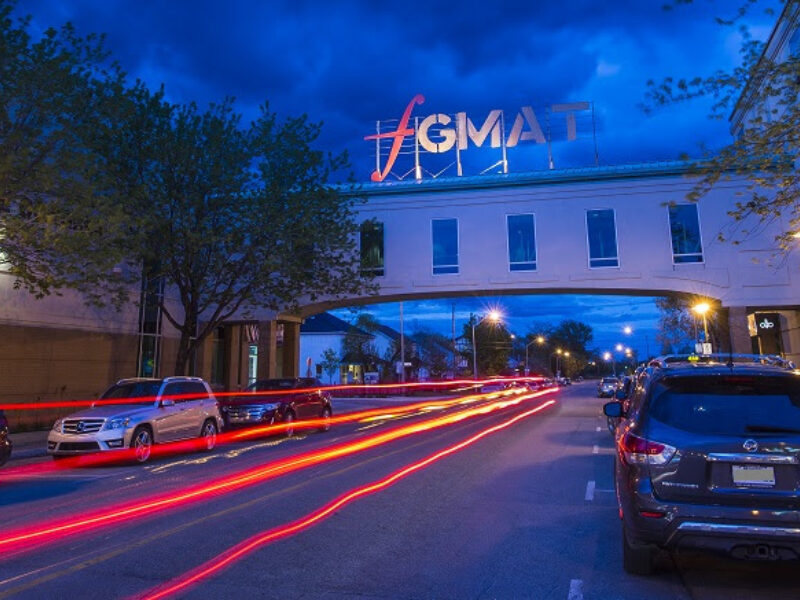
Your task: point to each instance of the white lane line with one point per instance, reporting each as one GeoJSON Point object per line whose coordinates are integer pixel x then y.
{"type": "Point", "coordinates": [595, 449]}
{"type": "Point", "coordinates": [590, 490]}
{"type": "Point", "coordinates": [575, 590]}
{"type": "Point", "coordinates": [598, 429]}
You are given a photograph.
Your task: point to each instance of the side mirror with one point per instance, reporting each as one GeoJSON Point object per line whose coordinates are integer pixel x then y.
{"type": "Point", "coordinates": [613, 410]}
{"type": "Point", "coordinates": [166, 402]}
{"type": "Point", "coordinates": [620, 394]}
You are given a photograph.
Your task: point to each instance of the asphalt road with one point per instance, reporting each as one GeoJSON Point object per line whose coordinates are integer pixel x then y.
{"type": "Point", "coordinates": [526, 512]}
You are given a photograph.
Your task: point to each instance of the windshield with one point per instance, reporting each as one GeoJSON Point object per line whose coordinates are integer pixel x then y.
{"type": "Point", "coordinates": [728, 405]}
{"type": "Point", "coordinates": [609, 380]}
{"type": "Point", "coordinates": [133, 389]}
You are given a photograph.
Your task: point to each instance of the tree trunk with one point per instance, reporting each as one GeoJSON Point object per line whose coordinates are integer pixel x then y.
{"type": "Point", "coordinates": [185, 347]}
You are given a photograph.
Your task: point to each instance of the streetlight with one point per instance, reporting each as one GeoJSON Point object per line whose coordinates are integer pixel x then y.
{"type": "Point", "coordinates": [539, 340]}
{"type": "Point", "coordinates": [608, 356]}
{"type": "Point", "coordinates": [702, 309]}
{"type": "Point", "coordinates": [558, 354]}
{"type": "Point", "coordinates": [627, 330]}
{"type": "Point", "coordinates": [494, 316]}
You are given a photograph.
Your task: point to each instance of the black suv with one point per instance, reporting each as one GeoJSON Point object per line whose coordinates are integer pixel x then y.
{"type": "Point", "coordinates": [709, 458]}
{"type": "Point", "coordinates": [5, 443]}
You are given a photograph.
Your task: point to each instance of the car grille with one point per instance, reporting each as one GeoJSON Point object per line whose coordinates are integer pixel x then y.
{"type": "Point", "coordinates": [79, 426]}
{"type": "Point", "coordinates": [245, 413]}
{"type": "Point", "coordinates": [78, 446]}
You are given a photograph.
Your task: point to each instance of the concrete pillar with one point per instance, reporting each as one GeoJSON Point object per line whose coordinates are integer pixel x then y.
{"type": "Point", "coordinates": [790, 330]}
{"type": "Point", "coordinates": [291, 349]}
{"type": "Point", "coordinates": [267, 349]}
{"type": "Point", "coordinates": [738, 333]}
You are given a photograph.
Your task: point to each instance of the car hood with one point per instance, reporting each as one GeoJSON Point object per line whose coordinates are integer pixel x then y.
{"type": "Point", "coordinates": [106, 412]}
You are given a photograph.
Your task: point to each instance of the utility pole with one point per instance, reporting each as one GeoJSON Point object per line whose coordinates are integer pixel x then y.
{"type": "Point", "coordinates": [402, 348]}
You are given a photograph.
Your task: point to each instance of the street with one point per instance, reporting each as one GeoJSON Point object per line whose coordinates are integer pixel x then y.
{"type": "Point", "coordinates": [528, 511]}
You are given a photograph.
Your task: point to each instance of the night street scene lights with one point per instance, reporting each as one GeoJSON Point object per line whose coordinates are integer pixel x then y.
{"type": "Point", "coordinates": [493, 316]}
{"type": "Point", "coordinates": [539, 339]}
{"type": "Point", "coordinates": [702, 309]}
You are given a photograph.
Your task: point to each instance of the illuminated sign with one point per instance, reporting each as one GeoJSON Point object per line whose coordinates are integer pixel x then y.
{"type": "Point", "coordinates": [766, 321]}
{"type": "Point", "coordinates": [441, 133]}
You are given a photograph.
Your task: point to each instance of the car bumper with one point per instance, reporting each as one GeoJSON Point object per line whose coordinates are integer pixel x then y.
{"type": "Point", "coordinates": [62, 444]}
{"type": "Point", "coordinates": [743, 532]}
{"type": "Point", "coordinates": [234, 421]}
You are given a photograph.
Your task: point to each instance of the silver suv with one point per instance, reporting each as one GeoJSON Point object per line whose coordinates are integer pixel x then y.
{"type": "Point", "coordinates": [161, 410]}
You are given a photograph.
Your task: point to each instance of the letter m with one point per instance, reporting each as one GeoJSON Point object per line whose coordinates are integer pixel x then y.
{"type": "Point", "coordinates": [466, 129]}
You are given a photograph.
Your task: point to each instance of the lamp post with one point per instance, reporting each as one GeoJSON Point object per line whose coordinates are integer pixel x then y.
{"type": "Point", "coordinates": [608, 356]}
{"type": "Point", "coordinates": [702, 309]}
{"type": "Point", "coordinates": [558, 354]}
{"type": "Point", "coordinates": [539, 340]}
{"type": "Point", "coordinates": [493, 316]}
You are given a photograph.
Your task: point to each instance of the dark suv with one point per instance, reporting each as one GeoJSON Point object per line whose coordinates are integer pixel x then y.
{"type": "Point", "coordinates": [709, 458]}
{"type": "Point", "coordinates": [282, 400]}
{"type": "Point", "coordinates": [5, 443]}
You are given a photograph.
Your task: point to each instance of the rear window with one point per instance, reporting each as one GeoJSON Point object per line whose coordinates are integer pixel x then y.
{"type": "Point", "coordinates": [609, 380]}
{"type": "Point", "coordinates": [728, 405]}
{"type": "Point", "coordinates": [272, 384]}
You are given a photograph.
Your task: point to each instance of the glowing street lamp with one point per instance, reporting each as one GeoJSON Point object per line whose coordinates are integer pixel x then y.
{"type": "Point", "coordinates": [494, 316]}
{"type": "Point", "coordinates": [627, 330]}
{"type": "Point", "coordinates": [702, 309]}
{"type": "Point", "coordinates": [539, 340]}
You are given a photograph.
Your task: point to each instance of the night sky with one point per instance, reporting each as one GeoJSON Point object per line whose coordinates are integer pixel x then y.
{"type": "Point", "coordinates": [349, 64]}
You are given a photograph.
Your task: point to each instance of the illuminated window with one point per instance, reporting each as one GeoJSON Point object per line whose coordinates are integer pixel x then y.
{"type": "Point", "coordinates": [684, 227]}
{"type": "Point", "coordinates": [601, 230]}
{"type": "Point", "coordinates": [444, 233]}
{"type": "Point", "coordinates": [372, 248]}
{"type": "Point", "coordinates": [521, 242]}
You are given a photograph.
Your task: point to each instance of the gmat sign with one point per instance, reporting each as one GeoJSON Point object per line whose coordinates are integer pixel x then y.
{"type": "Point", "coordinates": [440, 133]}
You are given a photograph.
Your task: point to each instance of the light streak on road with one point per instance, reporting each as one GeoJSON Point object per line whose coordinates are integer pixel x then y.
{"type": "Point", "coordinates": [376, 388]}
{"type": "Point", "coordinates": [257, 431]}
{"type": "Point", "coordinates": [269, 536]}
{"type": "Point", "coordinates": [32, 536]}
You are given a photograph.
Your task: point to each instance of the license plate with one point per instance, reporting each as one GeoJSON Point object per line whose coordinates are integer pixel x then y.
{"type": "Point", "coordinates": [753, 476]}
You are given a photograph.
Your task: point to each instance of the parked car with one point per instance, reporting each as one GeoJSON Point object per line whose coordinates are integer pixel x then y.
{"type": "Point", "coordinates": [180, 408]}
{"type": "Point", "coordinates": [607, 387]}
{"type": "Point", "coordinates": [709, 458]}
{"type": "Point", "coordinates": [5, 442]}
{"type": "Point", "coordinates": [286, 400]}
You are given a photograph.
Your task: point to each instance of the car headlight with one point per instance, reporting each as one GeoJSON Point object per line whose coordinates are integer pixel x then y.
{"type": "Point", "coordinates": [57, 425]}
{"type": "Point", "coordinates": [117, 423]}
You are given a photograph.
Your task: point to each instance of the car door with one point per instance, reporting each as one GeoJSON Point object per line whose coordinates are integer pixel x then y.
{"type": "Point", "coordinates": [192, 408]}
{"type": "Point", "coordinates": [169, 422]}
{"type": "Point", "coordinates": [314, 399]}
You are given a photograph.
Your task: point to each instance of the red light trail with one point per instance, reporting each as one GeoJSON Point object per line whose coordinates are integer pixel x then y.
{"type": "Point", "coordinates": [171, 448]}
{"type": "Point", "coordinates": [32, 536]}
{"type": "Point", "coordinates": [387, 387]}
{"type": "Point", "coordinates": [269, 536]}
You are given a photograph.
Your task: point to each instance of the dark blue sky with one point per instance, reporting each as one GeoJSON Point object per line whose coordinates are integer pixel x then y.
{"type": "Point", "coordinates": [349, 64]}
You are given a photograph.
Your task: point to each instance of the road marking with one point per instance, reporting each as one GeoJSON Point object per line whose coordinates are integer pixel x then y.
{"type": "Point", "coordinates": [595, 449]}
{"type": "Point", "coordinates": [575, 589]}
{"type": "Point", "coordinates": [590, 490]}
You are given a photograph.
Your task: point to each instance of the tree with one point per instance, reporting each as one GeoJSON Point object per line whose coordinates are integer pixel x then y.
{"type": "Point", "coordinates": [329, 363]}
{"type": "Point", "coordinates": [493, 345]}
{"type": "Point", "coordinates": [677, 329]}
{"type": "Point", "coordinates": [232, 219]}
{"type": "Point", "coordinates": [61, 222]}
{"type": "Point", "coordinates": [766, 148]}
{"type": "Point", "coordinates": [433, 351]}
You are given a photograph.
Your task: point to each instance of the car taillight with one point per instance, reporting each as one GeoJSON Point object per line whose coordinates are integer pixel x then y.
{"type": "Point", "coordinates": [635, 449]}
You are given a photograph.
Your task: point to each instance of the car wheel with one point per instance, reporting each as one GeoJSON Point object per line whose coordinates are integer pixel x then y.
{"type": "Point", "coordinates": [209, 435]}
{"type": "Point", "coordinates": [326, 419]}
{"type": "Point", "coordinates": [289, 419]}
{"type": "Point", "coordinates": [142, 444]}
{"type": "Point", "coordinates": [637, 559]}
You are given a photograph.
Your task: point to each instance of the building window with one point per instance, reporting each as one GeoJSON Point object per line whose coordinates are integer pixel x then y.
{"type": "Point", "coordinates": [445, 246]}
{"type": "Point", "coordinates": [218, 356]}
{"type": "Point", "coordinates": [372, 248]}
{"type": "Point", "coordinates": [521, 242]}
{"type": "Point", "coordinates": [150, 324]}
{"type": "Point", "coordinates": [601, 230]}
{"type": "Point", "coordinates": [684, 227]}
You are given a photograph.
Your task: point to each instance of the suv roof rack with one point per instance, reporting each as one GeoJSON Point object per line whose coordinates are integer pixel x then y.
{"type": "Point", "coordinates": [722, 358]}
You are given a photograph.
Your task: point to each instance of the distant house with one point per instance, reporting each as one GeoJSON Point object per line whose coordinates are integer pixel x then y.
{"type": "Point", "coordinates": [322, 332]}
